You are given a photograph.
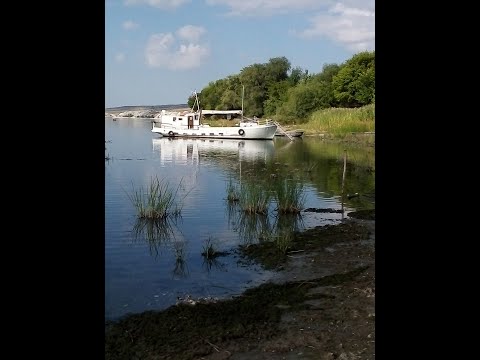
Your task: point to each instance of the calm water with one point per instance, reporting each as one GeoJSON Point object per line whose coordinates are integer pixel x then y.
{"type": "Point", "coordinates": [141, 271]}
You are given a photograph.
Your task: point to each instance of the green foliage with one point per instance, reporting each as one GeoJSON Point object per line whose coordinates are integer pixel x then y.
{"type": "Point", "coordinates": [305, 98]}
{"type": "Point", "coordinates": [354, 85]}
{"type": "Point", "coordinates": [296, 76]}
{"type": "Point", "coordinates": [328, 73]}
{"type": "Point", "coordinates": [277, 94]}
{"type": "Point", "coordinates": [277, 70]}
{"type": "Point", "coordinates": [289, 95]}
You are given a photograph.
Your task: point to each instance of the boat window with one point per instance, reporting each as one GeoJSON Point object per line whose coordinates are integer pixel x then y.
{"type": "Point", "coordinates": [174, 118]}
{"type": "Point", "coordinates": [196, 117]}
{"type": "Point", "coordinates": [179, 119]}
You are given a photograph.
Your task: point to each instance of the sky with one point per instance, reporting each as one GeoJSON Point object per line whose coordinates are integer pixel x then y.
{"type": "Point", "coordinates": [157, 52]}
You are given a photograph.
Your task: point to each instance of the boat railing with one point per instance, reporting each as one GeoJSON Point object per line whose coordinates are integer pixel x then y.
{"type": "Point", "coordinates": [259, 121]}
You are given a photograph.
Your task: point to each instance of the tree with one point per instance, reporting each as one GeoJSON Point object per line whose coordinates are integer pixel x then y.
{"type": "Point", "coordinates": [276, 95]}
{"type": "Point", "coordinates": [354, 84]}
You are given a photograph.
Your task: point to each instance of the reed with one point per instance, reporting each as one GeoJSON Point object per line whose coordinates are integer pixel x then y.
{"type": "Point", "coordinates": [289, 195]}
{"type": "Point", "coordinates": [254, 199]}
{"type": "Point", "coordinates": [284, 241]}
{"type": "Point", "coordinates": [341, 121]}
{"type": "Point", "coordinates": [209, 249]}
{"type": "Point", "coordinates": [157, 201]}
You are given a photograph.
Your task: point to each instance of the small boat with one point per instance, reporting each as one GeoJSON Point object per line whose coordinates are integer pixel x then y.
{"type": "Point", "coordinates": [188, 124]}
{"type": "Point", "coordinates": [291, 133]}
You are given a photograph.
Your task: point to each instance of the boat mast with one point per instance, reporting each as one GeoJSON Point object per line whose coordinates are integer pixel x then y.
{"type": "Point", "coordinates": [243, 93]}
{"type": "Point", "coordinates": [196, 102]}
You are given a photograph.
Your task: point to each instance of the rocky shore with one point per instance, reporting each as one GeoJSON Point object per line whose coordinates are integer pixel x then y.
{"type": "Point", "coordinates": [142, 111]}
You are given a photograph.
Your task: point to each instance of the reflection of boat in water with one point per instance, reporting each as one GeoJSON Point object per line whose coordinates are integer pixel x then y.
{"type": "Point", "coordinates": [188, 149]}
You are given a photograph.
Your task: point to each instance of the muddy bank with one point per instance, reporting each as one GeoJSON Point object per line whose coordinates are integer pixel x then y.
{"type": "Point", "coordinates": [320, 306]}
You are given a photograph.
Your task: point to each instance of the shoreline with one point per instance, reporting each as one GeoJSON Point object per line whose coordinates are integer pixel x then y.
{"type": "Point", "coordinates": [321, 305]}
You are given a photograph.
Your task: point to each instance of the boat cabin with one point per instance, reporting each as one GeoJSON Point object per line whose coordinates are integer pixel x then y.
{"type": "Point", "coordinates": [182, 120]}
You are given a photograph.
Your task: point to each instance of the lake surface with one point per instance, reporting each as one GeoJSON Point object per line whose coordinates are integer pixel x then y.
{"type": "Point", "coordinates": [148, 267]}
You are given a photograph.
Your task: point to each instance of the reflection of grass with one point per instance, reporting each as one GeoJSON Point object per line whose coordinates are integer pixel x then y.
{"type": "Point", "coordinates": [232, 215]}
{"type": "Point", "coordinates": [157, 201]}
{"type": "Point", "coordinates": [209, 248]}
{"type": "Point", "coordinates": [233, 192]}
{"type": "Point", "coordinates": [180, 268]}
{"type": "Point", "coordinates": [289, 195]}
{"type": "Point", "coordinates": [253, 227]}
{"type": "Point", "coordinates": [154, 231]}
{"type": "Point", "coordinates": [208, 264]}
{"type": "Point", "coordinates": [107, 156]}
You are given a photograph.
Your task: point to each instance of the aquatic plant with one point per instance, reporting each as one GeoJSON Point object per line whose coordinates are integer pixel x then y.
{"type": "Point", "coordinates": [289, 195]}
{"type": "Point", "coordinates": [284, 241]}
{"type": "Point", "coordinates": [254, 198]}
{"type": "Point", "coordinates": [158, 201]}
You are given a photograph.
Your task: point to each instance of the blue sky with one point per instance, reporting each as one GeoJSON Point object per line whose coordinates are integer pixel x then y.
{"type": "Point", "coordinates": [158, 51]}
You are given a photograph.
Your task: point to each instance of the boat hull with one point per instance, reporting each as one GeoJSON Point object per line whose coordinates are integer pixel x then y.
{"type": "Point", "coordinates": [261, 132]}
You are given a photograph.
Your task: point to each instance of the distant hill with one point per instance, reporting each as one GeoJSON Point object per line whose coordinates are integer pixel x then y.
{"type": "Point", "coordinates": [116, 110]}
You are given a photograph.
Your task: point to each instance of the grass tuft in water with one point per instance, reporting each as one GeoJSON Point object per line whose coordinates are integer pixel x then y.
{"type": "Point", "coordinates": [254, 199]}
{"type": "Point", "coordinates": [289, 195]}
{"type": "Point", "coordinates": [158, 201]}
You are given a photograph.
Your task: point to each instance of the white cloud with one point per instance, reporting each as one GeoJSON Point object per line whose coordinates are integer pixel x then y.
{"type": "Point", "coordinates": [129, 25]}
{"type": "Point", "coordinates": [353, 27]}
{"type": "Point", "coordinates": [120, 57]}
{"type": "Point", "coordinates": [161, 4]}
{"type": "Point", "coordinates": [190, 32]}
{"type": "Point", "coordinates": [268, 7]}
{"type": "Point", "coordinates": [349, 22]}
{"type": "Point", "coordinates": [165, 51]}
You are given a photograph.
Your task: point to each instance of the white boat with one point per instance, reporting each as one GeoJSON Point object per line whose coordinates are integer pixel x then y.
{"type": "Point", "coordinates": [189, 124]}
